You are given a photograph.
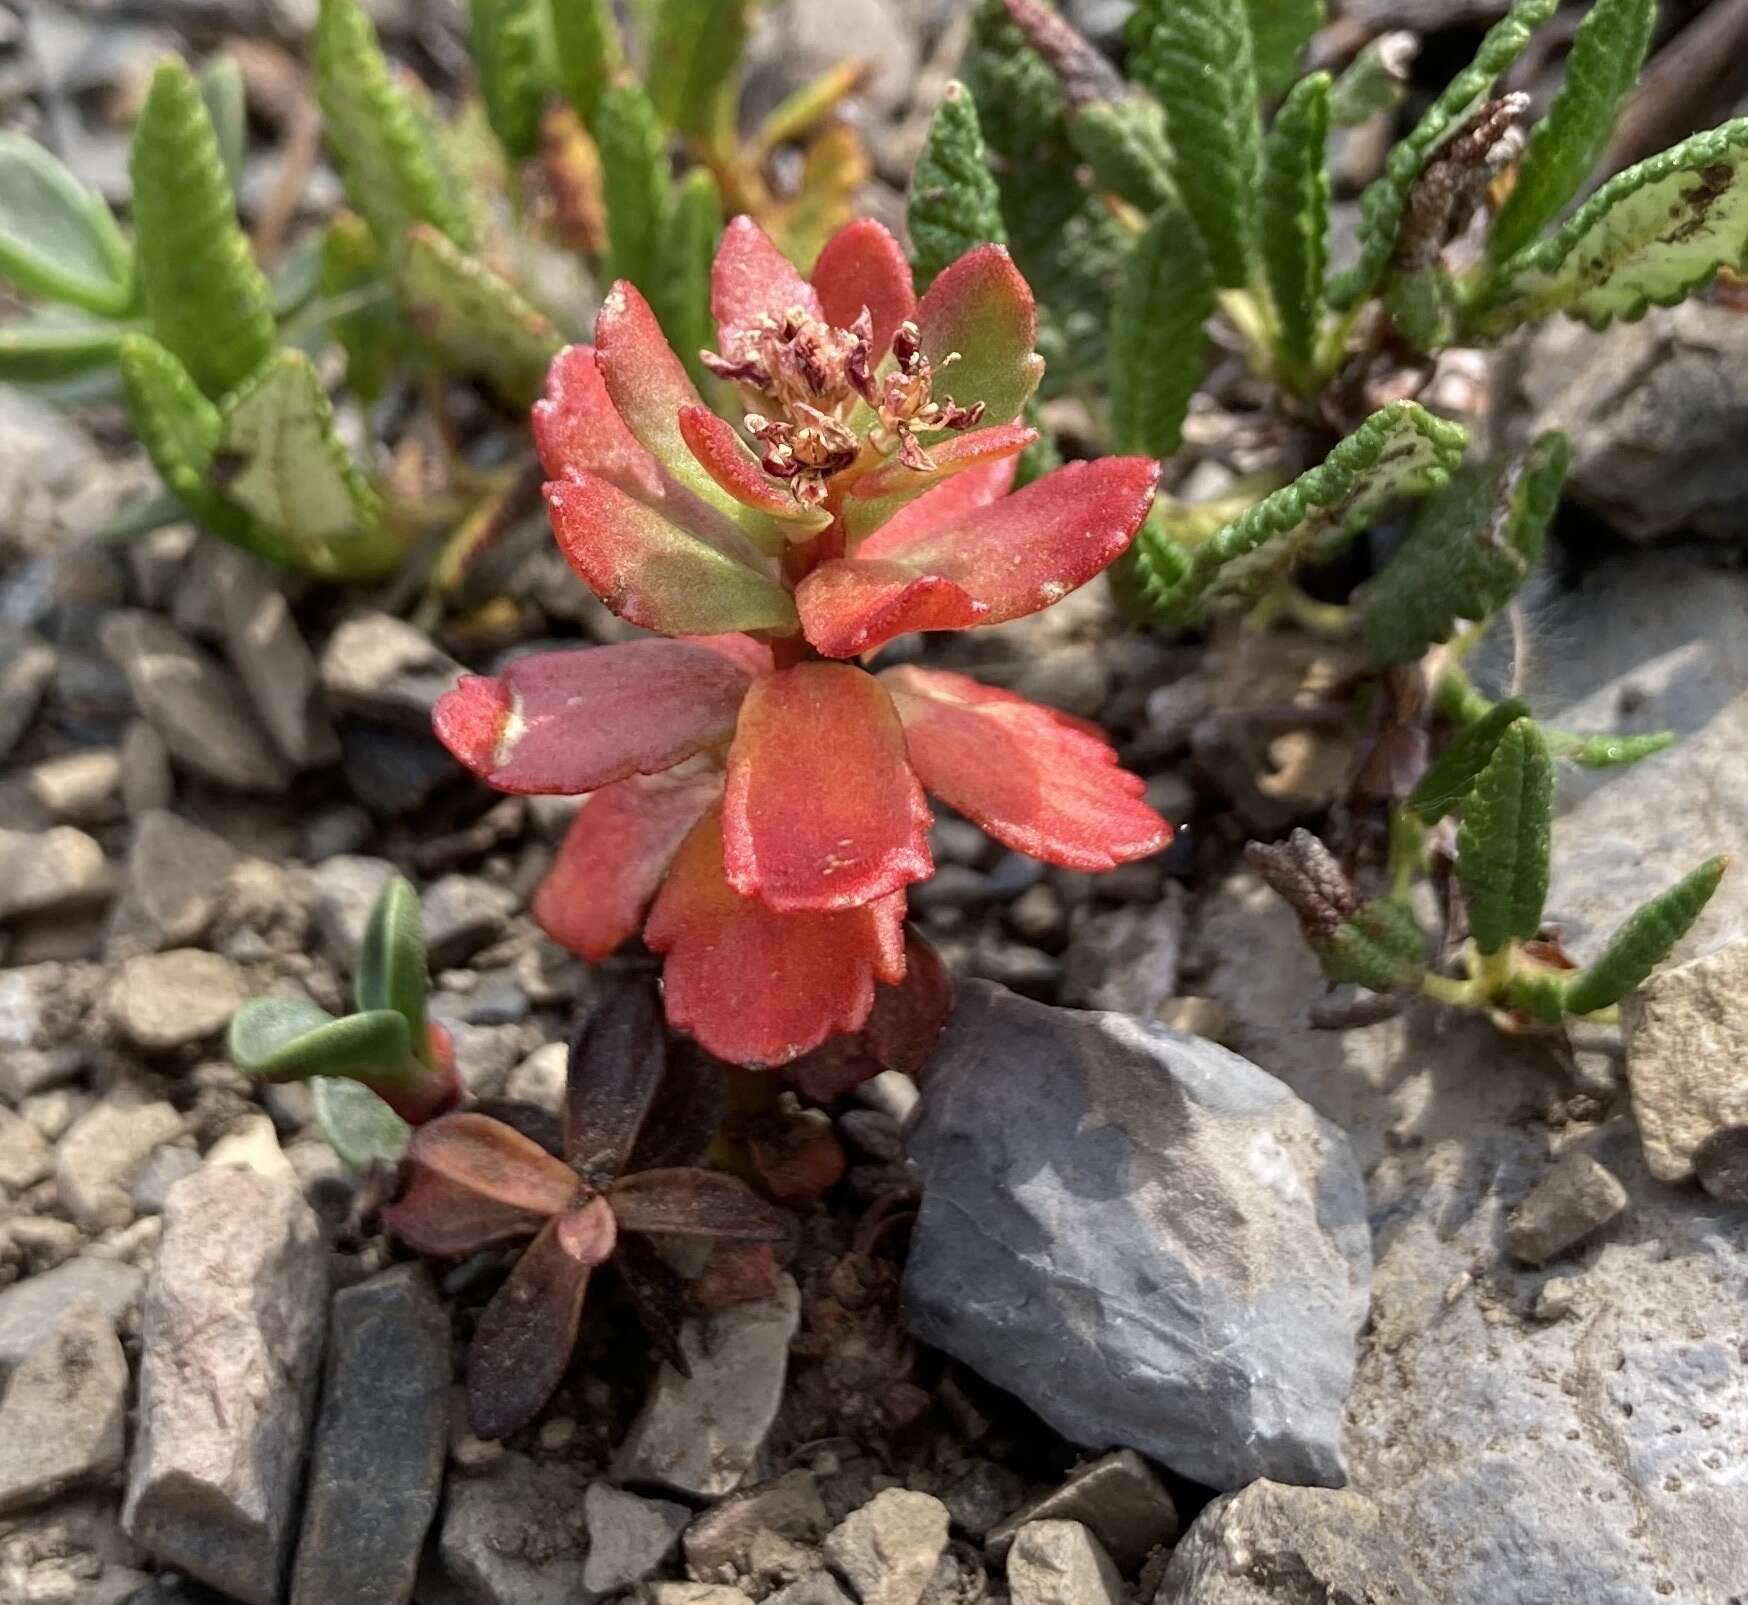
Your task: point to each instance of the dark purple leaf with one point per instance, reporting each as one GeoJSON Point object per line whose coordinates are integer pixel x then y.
{"type": "Point", "coordinates": [694, 1203]}
{"type": "Point", "coordinates": [536, 1124]}
{"type": "Point", "coordinates": [658, 1294]}
{"type": "Point", "coordinates": [618, 1057]}
{"type": "Point", "coordinates": [688, 1110]}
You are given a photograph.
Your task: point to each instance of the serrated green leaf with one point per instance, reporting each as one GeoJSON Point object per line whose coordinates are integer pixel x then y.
{"type": "Point", "coordinates": [1401, 450]}
{"type": "Point", "coordinates": [681, 292]}
{"type": "Point", "coordinates": [210, 304]}
{"type": "Point", "coordinates": [1607, 52]}
{"type": "Point", "coordinates": [954, 203]}
{"type": "Point", "coordinates": [1378, 946]}
{"type": "Point", "coordinates": [356, 1124]}
{"type": "Point", "coordinates": [56, 344]}
{"type": "Point", "coordinates": [57, 238]}
{"type": "Point", "coordinates": [392, 174]}
{"type": "Point", "coordinates": [1650, 236]}
{"type": "Point", "coordinates": [590, 53]}
{"type": "Point", "coordinates": [1294, 208]}
{"type": "Point", "coordinates": [1279, 30]}
{"type": "Point", "coordinates": [179, 428]}
{"type": "Point", "coordinates": [694, 49]}
{"type": "Point", "coordinates": [1158, 343]}
{"type": "Point", "coordinates": [1647, 938]}
{"type": "Point", "coordinates": [1375, 81]}
{"type": "Point", "coordinates": [352, 264]}
{"type": "Point", "coordinates": [1194, 56]}
{"type": "Point", "coordinates": [1502, 847]}
{"type": "Point", "coordinates": [1469, 549]}
{"type": "Point", "coordinates": [266, 1027]}
{"type": "Point", "coordinates": [474, 318]}
{"type": "Point", "coordinates": [1607, 751]}
{"type": "Point", "coordinates": [636, 183]}
{"type": "Point", "coordinates": [1422, 304]}
{"type": "Point", "coordinates": [221, 88]}
{"type": "Point", "coordinates": [391, 960]}
{"type": "Point", "coordinates": [506, 42]}
{"type": "Point", "coordinates": [1386, 198]}
{"type": "Point", "coordinates": [1124, 143]}
{"type": "Point", "coordinates": [281, 460]}
{"type": "Point", "coordinates": [1540, 994]}
{"type": "Point", "coordinates": [1452, 775]}
{"type": "Point", "coordinates": [373, 1047]}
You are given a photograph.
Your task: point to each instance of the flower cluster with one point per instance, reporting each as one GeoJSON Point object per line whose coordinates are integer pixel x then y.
{"type": "Point", "coordinates": [756, 803]}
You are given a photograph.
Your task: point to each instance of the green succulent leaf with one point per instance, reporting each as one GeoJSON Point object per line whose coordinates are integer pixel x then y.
{"type": "Point", "coordinates": [1375, 81]}
{"type": "Point", "coordinates": [680, 295]}
{"type": "Point", "coordinates": [264, 1028]}
{"type": "Point", "coordinates": [694, 49]}
{"type": "Point", "coordinates": [391, 962]}
{"type": "Point", "coordinates": [1401, 450]}
{"type": "Point", "coordinates": [474, 318]}
{"type": "Point", "coordinates": [1650, 236]}
{"type": "Point", "coordinates": [636, 183]}
{"type": "Point", "coordinates": [1469, 549]}
{"type": "Point", "coordinates": [57, 238]}
{"type": "Point", "coordinates": [210, 304]}
{"type": "Point", "coordinates": [1502, 847]}
{"type": "Point", "coordinates": [954, 203]}
{"type": "Point", "coordinates": [56, 343]}
{"type": "Point", "coordinates": [352, 267]}
{"type": "Point", "coordinates": [372, 1047]}
{"type": "Point", "coordinates": [393, 172]}
{"type": "Point", "coordinates": [1279, 30]}
{"type": "Point", "coordinates": [356, 1124]}
{"type": "Point", "coordinates": [1378, 946]}
{"type": "Point", "coordinates": [1195, 58]}
{"type": "Point", "coordinates": [1647, 938]}
{"type": "Point", "coordinates": [1158, 343]}
{"type": "Point", "coordinates": [506, 41]}
{"type": "Point", "coordinates": [1294, 208]}
{"type": "Point", "coordinates": [221, 88]}
{"type": "Point", "coordinates": [1124, 143]}
{"type": "Point", "coordinates": [1607, 52]}
{"type": "Point", "coordinates": [585, 38]}
{"type": "Point", "coordinates": [1386, 198]}
{"type": "Point", "coordinates": [1452, 775]}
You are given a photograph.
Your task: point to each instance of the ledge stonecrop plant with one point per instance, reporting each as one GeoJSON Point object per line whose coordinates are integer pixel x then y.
{"type": "Point", "coordinates": [755, 800]}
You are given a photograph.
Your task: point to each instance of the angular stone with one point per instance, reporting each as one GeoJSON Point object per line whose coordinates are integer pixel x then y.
{"type": "Point", "coordinates": [391, 770]}
{"type": "Point", "coordinates": [700, 1435]}
{"type": "Point", "coordinates": [513, 1534]}
{"type": "Point", "coordinates": [73, 1552]}
{"type": "Point", "coordinates": [161, 1170]}
{"type": "Point", "coordinates": [1061, 1563]}
{"type": "Point", "coordinates": [461, 914]}
{"type": "Point", "coordinates": [168, 1000]}
{"type": "Point", "coordinates": [540, 1078]}
{"type": "Point", "coordinates": [816, 1588]}
{"type": "Point", "coordinates": [146, 781]}
{"type": "Point", "coordinates": [695, 1594]}
{"type": "Point", "coordinates": [377, 1470]}
{"type": "Point", "coordinates": [31, 1310]}
{"type": "Point", "coordinates": [1571, 1201]}
{"type": "Point", "coordinates": [629, 1537]}
{"type": "Point", "coordinates": [981, 1499]}
{"type": "Point", "coordinates": [384, 668]}
{"type": "Point", "coordinates": [1721, 1163]}
{"type": "Point", "coordinates": [174, 874]}
{"type": "Point", "coordinates": [347, 887]}
{"type": "Point", "coordinates": [1687, 1056]}
{"type": "Point", "coordinates": [84, 787]}
{"type": "Point", "coordinates": [888, 1549]}
{"type": "Point", "coordinates": [50, 871]}
{"type": "Point", "coordinates": [790, 1506]}
{"type": "Point", "coordinates": [96, 1159]}
{"type": "Point", "coordinates": [63, 1420]}
{"type": "Point", "coordinates": [27, 664]}
{"type": "Point", "coordinates": [194, 703]}
{"type": "Point", "coordinates": [1118, 1497]}
{"type": "Point", "coordinates": [1127, 959]}
{"type": "Point", "coordinates": [253, 1143]}
{"type": "Point", "coordinates": [1169, 1252]}
{"type": "Point", "coordinates": [231, 1352]}
{"type": "Point", "coordinates": [24, 1157]}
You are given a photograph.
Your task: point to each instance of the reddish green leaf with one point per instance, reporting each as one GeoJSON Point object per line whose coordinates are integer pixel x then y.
{"type": "Point", "coordinates": [850, 606]}
{"type": "Point", "coordinates": [902, 1029]}
{"type": "Point", "coordinates": [578, 430]}
{"type": "Point", "coordinates": [862, 265]}
{"type": "Point", "coordinates": [953, 499]}
{"type": "Point", "coordinates": [982, 309]}
{"type": "Point", "coordinates": [876, 497]}
{"type": "Point", "coordinates": [731, 464]}
{"type": "Point", "coordinates": [735, 1273]}
{"type": "Point", "coordinates": [752, 280]}
{"type": "Point", "coordinates": [689, 1202]}
{"type": "Point", "coordinates": [617, 1060]}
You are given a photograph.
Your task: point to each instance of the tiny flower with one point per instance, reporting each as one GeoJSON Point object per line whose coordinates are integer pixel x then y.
{"type": "Point", "coordinates": [756, 803]}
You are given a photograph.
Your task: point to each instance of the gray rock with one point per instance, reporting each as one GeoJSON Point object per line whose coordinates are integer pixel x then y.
{"type": "Point", "coordinates": [253, 1144]}
{"type": "Point", "coordinates": [73, 1552]}
{"type": "Point", "coordinates": [146, 781]}
{"type": "Point", "coordinates": [27, 664]}
{"type": "Point", "coordinates": [1061, 1563]}
{"type": "Point", "coordinates": [1721, 1163]}
{"type": "Point", "coordinates": [514, 1535]}
{"type": "Point", "coordinates": [1118, 1497]}
{"type": "Point", "coordinates": [981, 1499]}
{"type": "Point", "coordinates": [700, 1435]}
{"type": "Point", "coordinates": [162, 1169]}
{"type": "Point", "coordinates": [1576, 1197]}
{"type": "Point", "coordinates": [888, 1549]}
{"type": "Point", "coordinates": [231, 1352]}
{"type": "Point", "coordinates": [97, 1158]}
{"type": "Point", "coordinates": [83, 787]}
{"type": "Point", "coordinates": [1169, 1252]}
{"type": "Point", "coordinates": [393, 771]}
{"type": "Point", "coordinates": [168, 1000]}
{"type": "Point", "coordinates": [24, 1157]}
{"type": "Point", "coordinates": [1127, 960]}
{"type": "Point", "coordinates": [629, 1537]}
{"type": "Point", "coordinates": [716, 1543]}
{"type": "Point", "coordinates": [346, 888]}
{"type": "Point", "coordinates": [461, 914]}
{"type": "Point", "coordinates": [695, 1594]}
{"type": "Point", "coordinates": [815, 1588]}
{"type": "Point", "coordinates": [383, 668]}
{"type": "Point", "coordinates": [175, 871]}
{"type": "Point", "coordinates": [194, 703]}
{"type": "Point", "coordinates": [343, 828]}
{"type": "Point", "coordinates": [377, 1470]}
{"type": "Point", "coordinates": [53, 871]}
{"type": "Point", "coordinates": [31, 1310]}
{"type": "Point", "coordinates": [63, 1420]}
{"type": "Point", "coordinates": [1271, 1544]}
{"type": "Point", "coordinates": [540, 1078]}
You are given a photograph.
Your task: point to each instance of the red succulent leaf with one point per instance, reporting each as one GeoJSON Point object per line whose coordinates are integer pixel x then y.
{"type": "Point", "coordinates": [753, 656]}
{"type": "Point", "coordinates": [981, 308]}
{"type": "Point", "coordinates": [821, 810]}
{"type": "Point", "coordinates": [954, 499]}
{"type": "Point", "coordinates": [730, 463]}
{"type": "Point", "coordinates": [850, 606]}
{"type": "Point", "coordinates": [755, 987]}
{"type": "Point", "coordinates": [572, 722]}
{"type": "Point", "coordinates": [735, 1273]}
{"type": "Point", "coordinates": [862, 265]}
{"type": "Point", "coordinates": [618, 1057]}
{"type": "Point", "coordinates": [689, 1202]}
{"type": "Point", "coordinates": [797, 1156]}
{"type": "Point", "coordinates": [525, 1336]}
{"type": "Point", "coordinates": [654, 573]}
{"type": "Point", "coordinates": [578, 430]}
{"type": "Point", "coordinates": [751, 280]}
{"type": "Point", "coordinates": [1038, 782]}
{"type": "Point", "coordinates": [876, 497]}
{"type": "Point", "coordinates": [615, 854]}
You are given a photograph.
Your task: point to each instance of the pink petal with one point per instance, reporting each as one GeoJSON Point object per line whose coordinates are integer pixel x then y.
{"type": "Point", "coordinates": [821, 810]}
{"type": "Point", "coordinates": [849, 606]}
{"type": "Point", "coordinates": [875, 498]}
{"type": "Point", "coordinates": [615, 854]}
{"type": "Point", "coordinates": [577, 428]}
{"type": "Point", "coordinates": [982, 308]}
{"type": "Point", "coordinates": [862, 265]}
{"type": "Point", "coordinates": [751, 280]}
{"type": "Point", "coordinates": [1037, 781]}
{"type": "Point", "coordinates": [731, 464]}
{"type": "Point", "coordinates": [572, 722]}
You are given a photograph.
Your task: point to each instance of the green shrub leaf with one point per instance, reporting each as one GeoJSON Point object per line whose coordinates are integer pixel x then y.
{"type": "Point", "coordinates": [1378, 946]}
{"type": "Point", "coordinates": [1375, 81]}
{"type": "Point", "coordinates": [586, 40]}
{"type": "Point", "coordinates": [357, 1124]}
{"type": "Point", "coordinates": [1195, 58]}
{"type": "Point", "coordinates": [221, 88]}
{"type": "Point", "coordinates": [56, 344]}
{"type": "Point", "coordinates": [210, 304]}
{"type": "Point", "coordinates": [1650, 236]}
{"type": "Point", "coordinates": [1468, 550]}
{"type": "Point", "coordinates": [680, 294]}
{"type": "Point", "coordinates": [1607, 751]}
{"type": "Point", "coordinates": [1502, 847]}
{"type": "Point", "coordinates": [1452, 775]}
{"type": "Point", "coordinates": [636, 183]}
{"type": "Point", "coordinates": [1158, 343]}
{"type": "Point", "coordinates": [1123, 142]}
{"type": "Point", "coordinates": [694, 48]}
{"type": "Point", "coordinates": [954, 203]}
{"type": "Point", "coordinates": [57, 238]}
{"type": "Point", "coordinates": [391, 962]}
{"type": "Point", "coordinates": [1647, 938]}
{"type": "Point", "coordinates": [1294, 208]}
{"type": "Point", "coordinates": [506, 42]}
{"type": "Point", "coordinates": [1279, 30]}
{"type": "Point", "coordinates": [1607, 52]}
